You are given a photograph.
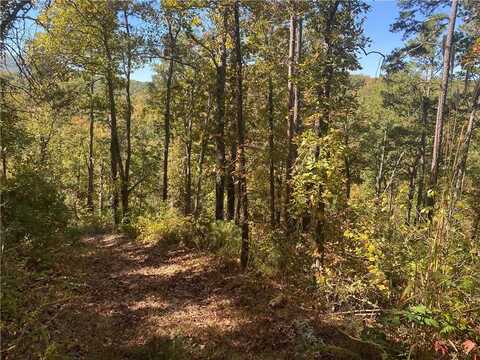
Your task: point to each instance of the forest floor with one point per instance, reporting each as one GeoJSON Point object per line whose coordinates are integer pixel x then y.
{"type": "Point", "coordinates": [115, 298]}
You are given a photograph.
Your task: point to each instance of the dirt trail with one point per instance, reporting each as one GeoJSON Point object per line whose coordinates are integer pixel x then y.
{"type": "Point", "coordinates": [135, 301]}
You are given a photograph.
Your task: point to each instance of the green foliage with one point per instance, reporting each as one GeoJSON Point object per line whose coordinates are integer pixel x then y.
{"type": "Point", "coordinates": [167, 228]}
{"type": "Point", "coordinates": [224, 236]}
{"type": "Point", "coordinates": [318, 179]}
{"type": "Point", "coordinates": [34, 208]}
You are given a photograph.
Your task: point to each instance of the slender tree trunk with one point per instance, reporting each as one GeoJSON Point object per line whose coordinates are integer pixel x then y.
{"type": "Point", "coordinates": [460, 167]}
{"type": "Point", "coordinates": [201, 158]}
{"type": "Point", "coordinates": [166, 145]}
{"type": "Point", "coordinates": [4, 162]}
{"type": "Point", "coordinates": [90, 188]}
{"type": "Point", "coordinates": [321, 129]}
{"type": "Point", "coordinates": [346, 160]}
{"type": "Point", "coordinates": [412, 173]}
{"type": "Point", "coordinates": [296, 89]}
{"type": "Point", "coordinates": [128, 122]}
{"type": "Point", "coordinates": [220, 127]}
{"type": "Point", "coordinates": [3, 177]}
{"type": "Point", "coordinates": [188, 178]}
{"type": "Point", "coordinates": [3, 113]}
{"type": "Point", "coordinates": [230, 181]}
{"type": "Point", "coordinates": [279, 178]}
{"type": "Point", "coordinates": [271, 147]}
{"type": "Point", "coordinates": [241, 141]}
{"type": "Point", "coordinates": [437, 142]}
{"type": "Point", "coordinates": [380, 174]}
{"type": "Point", "coordinates": [188, 159]}
{"type": "Point", "coordinates": [115, 157]}
{"type": "Point", "coordinates": [100, 192]}
{"type": "Point", "coordinates": [115, 162]}
{"type": "Point", "coordinates": [422, 158]}
{"type": "Point", "coordinates": [291, 121]}
{"type": "Point", "coordinates": [230, 168]}
{"type": "Point", "coordinates": [475, 226]}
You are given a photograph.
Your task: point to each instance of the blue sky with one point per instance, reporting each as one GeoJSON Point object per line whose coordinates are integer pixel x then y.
{"type": "Point", "coordinates": [381, 15]}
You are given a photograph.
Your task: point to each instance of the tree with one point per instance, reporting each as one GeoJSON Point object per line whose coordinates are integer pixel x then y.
{"type": "Point", "coordinates": [441, 101]}
{"type": "Point", "coordinates": [243, 198]}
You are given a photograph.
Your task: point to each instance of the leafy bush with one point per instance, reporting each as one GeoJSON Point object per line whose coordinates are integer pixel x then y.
{"type": "Point", "coordinates": [168, 227]}
{"type": "Point", "coordinates": [223, 235]}
{"type": "Point", "coordinates": [34, 208]}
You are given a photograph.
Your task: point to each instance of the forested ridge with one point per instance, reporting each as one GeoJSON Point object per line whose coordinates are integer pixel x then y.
{"type": "Point", "coordinates": [257, 199]}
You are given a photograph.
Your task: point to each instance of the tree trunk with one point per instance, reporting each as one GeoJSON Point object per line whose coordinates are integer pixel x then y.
{"type": "Point", "coordinates": [220, 127]}
{"type": "Point", "coordinates": [188, 158]}
{"type": "Point", "coordinates": [90, 188]}
{"type": "Point", "coordinates": [3, 150]}
{"type": "Point", "coordinates": [201, 158]}
{"type": "Point", "coordinates": [291, 121]}
{"type": "Point", "coordinates": [475, 226]}
{"type": "Point", "coordinates": [346, 159]}
{"type": "Point", "coordinates": [241, 141]}
{"type": "Point", "coordinates": [128, 122]}
{"type": "Point", "coordinates": [230, 182]}
{"type": "Point", "coordinates": [460, 166]}
{"type": "Point", "coordinates": [115, 162]}
{"type": "Point", "coordinates": [437, 142]}
{"type": "Point", "coordinates": [100, 192]}
{"type": "Point", "coordinates": [422, 158]}
{"type": "Point", "coordinates": [297, 123]}
{"type": "Point", "coordinates": [3, 177]}
{"type": "Point", "coordinates": [380, 174]}
{"type": "Point", "coordinates": [188, 176]}
{"type": "Point", "coordinates": [115, 157]}
{"type": "Point", "coordinates": [271, 147]}
{"type": "Point", "coordinates": [166, 145]}
{"type": "Point", "coordinates": [321, 129]}
{"type": "Point", "coordinates": [412, 173]}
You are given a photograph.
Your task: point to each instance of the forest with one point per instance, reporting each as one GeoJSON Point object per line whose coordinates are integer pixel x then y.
{"type": "Point", "coordinates": [259, 198]}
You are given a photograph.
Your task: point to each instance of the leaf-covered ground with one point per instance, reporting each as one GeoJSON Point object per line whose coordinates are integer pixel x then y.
{"type": "Point", "coordinates": [115, 298]}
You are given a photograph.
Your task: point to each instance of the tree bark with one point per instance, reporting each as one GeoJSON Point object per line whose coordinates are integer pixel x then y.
{"type": "Point", "coordinates": [437, 142]}
{"type": "Point", "coordinates": [116, 165]}
{"type": "Point", "coordinates": [460, 167]}
{"type": "Point", "coordinates": [321, 129]}
{"type": "Point", "coordinates": [188, 158]}
{"type": "Point", "coordinates": [346, 159]}
{"type": "Point", "coordinates": [412, 173]}
{"type": "Point", "coordinates": [422, 158]}
{"type": "Point", "coordinates": [271, 147]}
{"type": "Point", "coordinates": [380, 174]}
{"type": "Point", "coordinates": [201, 158]}
{"type": "Point", "coordinates": [297, 122]}
{"type": "Point", "coordinates": [188, 173]}
{"type": "Point", "coordinates": [90, 169]}
{"type": "Point", "coordinates": [232, 161]}
{"type": "Point", "coordinates": [291, 121]}
{"type": "Point", "coordinates": [220, 126]}
{"type": "Point", "coordinates": [167, 117]}
{"type": "Point", "coordinates": [115, 161]}
{"type": "Point", "coordinates": [100, 192]}
{"type": "Point", "coordinates": [241, 141]}
{"type": "Point", "coordinates": [128, 122]}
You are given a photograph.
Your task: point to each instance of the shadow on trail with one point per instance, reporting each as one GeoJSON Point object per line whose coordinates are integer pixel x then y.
{"type": "Point", "coordinates": [137, 301]}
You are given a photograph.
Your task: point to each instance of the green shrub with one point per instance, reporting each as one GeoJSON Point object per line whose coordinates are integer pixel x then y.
{"type": "Point", "coordinates": [169, 227]}
{"type": "Point", "coordinates": [34, 208]}
{"type": "Point", "coordinates": [224, 236]}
